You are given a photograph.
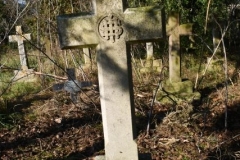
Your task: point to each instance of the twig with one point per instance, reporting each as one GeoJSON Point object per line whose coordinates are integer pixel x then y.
{"type": "Point", "coordinates": [199, 68]}
{"type": "Point", "coordinates": [229, 140]}
{"type": "Point", "coordinates": [214, 53]}
{"type": "Point", "coordinates": [225, 72]}
{"type": "Point", "coordinates": [206, 20]}
{"type": "Point", "coordinates": [40, 144]}
{"type": "Point", "coordinates": [226, 84]}
{"type": "Point", "coordinates": [50, 75]}
{"type": "Point", "coordinates": [153, 100]}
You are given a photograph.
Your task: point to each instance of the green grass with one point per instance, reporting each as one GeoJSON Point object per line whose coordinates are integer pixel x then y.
{"type": "Point", "coordinates": [20, 89]}
{"type": "Point", "coordinates": [10, 92]}
{"type": "Point", "coordinates": [9, 120]}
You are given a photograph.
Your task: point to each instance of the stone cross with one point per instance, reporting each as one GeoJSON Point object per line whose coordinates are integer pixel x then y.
{"type": "Point", "coordinates": [149, 48]}
{"type": "Point", "coordinates": [110, 28]}
{"type": "Point", "coordinates": [174, 31]}
{"type": "Point", "coordinates": [72, 86]}
{"type": "Point", "coordinates": [19, 38]}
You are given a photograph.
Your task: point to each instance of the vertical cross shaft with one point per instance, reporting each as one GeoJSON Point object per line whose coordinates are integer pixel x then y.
{"type": "Point", "coordinates": [19, 38]}
{"type": "Point", "coordinates": [174, 30]}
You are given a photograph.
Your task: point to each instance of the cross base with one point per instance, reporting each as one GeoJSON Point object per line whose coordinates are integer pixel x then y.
{"type": "Point", "coordinates": [177, 92]}
{"type": "Point", "coordinates": [24, 76]}
{"type": "Point", "coordinates": [142, 156]}
{"type": "Point", "coordinates": [151, 65]}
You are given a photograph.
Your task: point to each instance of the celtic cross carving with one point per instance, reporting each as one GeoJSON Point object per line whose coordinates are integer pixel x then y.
{"type": "Point", "coordinates": [110, 28]}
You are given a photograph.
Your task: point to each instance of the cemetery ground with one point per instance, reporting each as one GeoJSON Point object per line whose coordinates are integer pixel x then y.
{"type": "Point", "coordinates": [41, 124]}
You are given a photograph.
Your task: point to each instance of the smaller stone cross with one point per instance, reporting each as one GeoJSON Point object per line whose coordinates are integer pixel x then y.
{"type": "Point", "coordinates": [149, 48]}
{"type": "Point", "coordinates": [19, 38]}
{"type": "Point", "coordinates": [174, 31]}
{"type": "Point", "coordinates": [72, 86]}
{"type": "Point", "coordinates": [175, 90]}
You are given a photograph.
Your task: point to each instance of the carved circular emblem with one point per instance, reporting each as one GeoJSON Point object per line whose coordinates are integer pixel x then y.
{"type": "Point", "coordinates": [110, 28]}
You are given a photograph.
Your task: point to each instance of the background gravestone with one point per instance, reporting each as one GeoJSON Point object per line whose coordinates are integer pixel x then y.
{"type": "Point", "coordinates": [175, 89]}
{"type": "Point", "coordinates": [19, 38]}
{"type": "Point", "coordinates": [110, 28]}
{"type": "Point", "coordinates": [174, 31]}
{"type": "Point", "coordinates": [149, 48]}
{"type": "Point", "coordinates": [150, 64]}
{"type": "Point", "coordinates": [25, 74]}
{"type": "Point", "coordinates": [73, 86]}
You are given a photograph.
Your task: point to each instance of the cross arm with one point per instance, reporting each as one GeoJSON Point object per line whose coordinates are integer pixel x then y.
{"type": "Point", "coordinates": [27, 36]}
{"type": "Point", "coordinates": [71, 86]}
{"type": "Point", "coordinates": [143, 23]}
{"type": "Point", "coordinates": [77, 31]}
{"type": "Point", "coordinates": [16, 38]}
{"type": "Point", "coordinates": [13, 38]}
{"type": "Point", "coordinates": [185, 29]}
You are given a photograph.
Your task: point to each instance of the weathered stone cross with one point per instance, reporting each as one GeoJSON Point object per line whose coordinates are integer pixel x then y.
{"type": "Point", "coordinates": [73, 86]}
{"type": "Point", "coordinates": [110, 28]}
{"type": "Point", "coordinates": [174, 31]}
{"type": "Point", "coordinates": [149, 48]}
{"type": "Point", "coordinates": [19, 38]}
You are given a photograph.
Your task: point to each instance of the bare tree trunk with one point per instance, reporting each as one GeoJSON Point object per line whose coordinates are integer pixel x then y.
{"type": "Point", "coordinates": [38, 40]}
{"type": "Point", "coordinates": [49, 32]}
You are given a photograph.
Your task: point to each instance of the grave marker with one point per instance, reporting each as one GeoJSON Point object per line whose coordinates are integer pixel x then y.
{"type": "Point", "coordinates": [72, 86]}
{"type": "Point", "coordinates": [150, 64]}
{"type": "Point", "coordinates": [175, 90]}
{"type": "Point", "coordinates": [110, 28]}
{"type": "Point", "coordinates": [149, 48]}
{"type": "Point", "coordinates": [174, 31]}
{"type": "Point", "coordinates": [20, 38]}
{"type": "Point", "coordinates": [25, 74]}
